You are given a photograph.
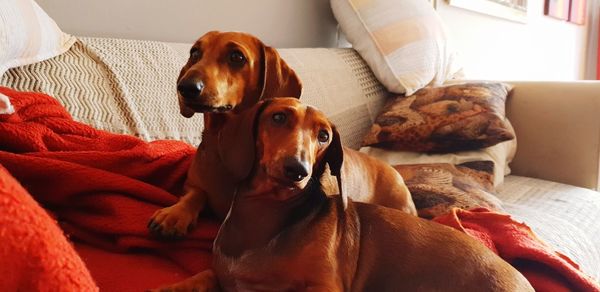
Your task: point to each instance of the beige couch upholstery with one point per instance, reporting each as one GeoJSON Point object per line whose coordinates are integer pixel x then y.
{"type": "Point", "coordinates": [558, 130]}
{"type": "Point", "coordinates": [128, 87]}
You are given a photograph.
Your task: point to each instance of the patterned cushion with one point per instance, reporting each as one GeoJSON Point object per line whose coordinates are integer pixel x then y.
{"type": "Point", "coordinates": [404, 42]}
{"type": "Point", "coordinates": [437, 188]}
{"type": "Point", "coordinates": [500, 155]}
{"type": "Point", "coordinates": [444, 119]}
{"type": "Point", "coordinates": [28, 35]}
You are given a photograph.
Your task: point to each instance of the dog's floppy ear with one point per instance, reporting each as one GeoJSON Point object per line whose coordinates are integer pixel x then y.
{"type": "Point", "coordinates": [335, 159]}
{"type": "Point", "coordinates": [237, 141]}
{"type": "Point", "coordinates": [279, 80]}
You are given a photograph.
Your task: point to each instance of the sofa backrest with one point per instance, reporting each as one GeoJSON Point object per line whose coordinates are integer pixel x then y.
{"type": "Point", "coordinates": [558, 129]}
{"type": "Point", "coordinates": [128, 87]}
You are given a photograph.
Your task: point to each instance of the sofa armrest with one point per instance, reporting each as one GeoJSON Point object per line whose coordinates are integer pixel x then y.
{"type": "Point", "coordinates": [558, 131]}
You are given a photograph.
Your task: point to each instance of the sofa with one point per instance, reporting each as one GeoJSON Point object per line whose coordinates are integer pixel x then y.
{"type": "Point", "coordinates": [128, 87]}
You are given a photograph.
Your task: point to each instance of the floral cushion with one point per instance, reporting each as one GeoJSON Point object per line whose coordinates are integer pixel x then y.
{"type": "Point", "coordinates": [439, 187]}
{"type": "Point", "coordinates": [444, 119]}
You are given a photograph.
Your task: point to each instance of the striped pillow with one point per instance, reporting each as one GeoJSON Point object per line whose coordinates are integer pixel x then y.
{"type": "Point", "coordinates": [403, 41]}
{"type": "Point", "coordinates": [28, 35]}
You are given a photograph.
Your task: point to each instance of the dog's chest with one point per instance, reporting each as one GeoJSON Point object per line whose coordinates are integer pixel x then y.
{"type": "Point", "coordinates": [273, 268]}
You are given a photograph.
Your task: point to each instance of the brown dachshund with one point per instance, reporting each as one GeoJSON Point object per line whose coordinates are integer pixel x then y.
{"type": "Point", "coordinates": [286, 234]}
{"type": "Point", "coordinates": [226, 74]}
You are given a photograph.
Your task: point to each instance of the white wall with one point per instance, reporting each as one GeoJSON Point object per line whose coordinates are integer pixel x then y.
{"type": "Point", "coordinates": [282, 23]}
{"type": "Point", "coordinates": [497, 49]}
{"type": "Point", "coordinates": [492, 48]}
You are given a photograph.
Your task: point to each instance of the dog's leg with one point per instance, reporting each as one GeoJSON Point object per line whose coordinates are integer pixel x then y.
{"type": "Point", "coordinates": [177, 220]}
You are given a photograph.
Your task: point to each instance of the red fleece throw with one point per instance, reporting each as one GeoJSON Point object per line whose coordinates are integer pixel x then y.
{"type": "Point", "coordinates": [102, 188]}
{"type": "Point", "coordinates": [546, 269]}
{"type": "Point", "coordinates": [34, 254]}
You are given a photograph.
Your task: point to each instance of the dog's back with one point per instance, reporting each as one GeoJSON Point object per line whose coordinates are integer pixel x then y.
{"type": "Point", "coordinates": [370, 180]}
{"type": "Point", "coordinates": [399, 252]}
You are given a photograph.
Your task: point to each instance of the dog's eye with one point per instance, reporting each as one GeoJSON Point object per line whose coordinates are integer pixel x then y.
{"type": "Point", "coordinates": [195, 54]}
{"type": "Point", "coordinates": [279, 118]}
{"type": "Point", "coordinates": [236, 57]}
{"type": "Point", "coordinates": [323, 136]}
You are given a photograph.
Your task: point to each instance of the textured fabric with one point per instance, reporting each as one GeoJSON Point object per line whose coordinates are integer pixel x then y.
{"type": "Point", "coordinates": [81, 83]}
{"type": "Point", "coordinates": [141, 270]}
{"type": "Point", "coordinates": [404, 42]}
{"type": "Point", "coordinates": [121, 86]}
{"type": "Point", "coordinates": [546, 269]}
{"type": "Point", "coordinates": [34, 254]}
{"type": "Point", "coordinates": [146, 74]}
{"type": "Point", "coordinates": [102, 187]}
{"type": "Point", "coordinates": [339, 83]}
{"type": "Point", "coordinates": [564, 216]}
{"type": "Point", "coordinates": [500, 154]}
{"type": "Point", "coordinates": [438, 188]}
{"type": "Point", "coordinates": [128, 87]}
{"type": "Point", "coordinates": [28, 34]}
{"type": "Point", "coordinates": [445, 119]}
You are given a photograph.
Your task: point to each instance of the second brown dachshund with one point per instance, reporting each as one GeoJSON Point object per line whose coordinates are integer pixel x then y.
{"type": "Point", "coordinates": [287, 234]}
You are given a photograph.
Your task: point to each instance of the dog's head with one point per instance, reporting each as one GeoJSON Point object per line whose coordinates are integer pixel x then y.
{"type": "Point", "coordinates": [232, 71]}
{"type": "Point", "coordinates": [288, 145]}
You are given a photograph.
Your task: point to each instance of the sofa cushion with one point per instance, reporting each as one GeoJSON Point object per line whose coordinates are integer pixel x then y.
{"type": "Point", "coordinates": [28, 34]}
{"type": "Point", "coordinates": [500, 154]}
{"type": "Point", "coordinates": [437, 188]}
{"type": "Point", "coordinates": [446, 119]}
{"type": "Point", "coordinates": [564, 216]}
{"type": "Point", "coordinates": [404, 42]}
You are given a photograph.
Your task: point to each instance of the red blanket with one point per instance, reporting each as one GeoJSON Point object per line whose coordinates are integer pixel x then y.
{"type": "Point", "coordinates": [34, 254]}
{"type": "Point", "coordinates": [102, 189]}
{"type": "Point", "coordinates": [546, 269]}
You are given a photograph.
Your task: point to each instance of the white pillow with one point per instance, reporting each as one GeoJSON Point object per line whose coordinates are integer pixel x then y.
{"type": "Point", "coordinates": [6, 107]}
{"type": "Point", "coordinates": [404, 41]}
{"type": "Point", "coordinates": [28, 35]}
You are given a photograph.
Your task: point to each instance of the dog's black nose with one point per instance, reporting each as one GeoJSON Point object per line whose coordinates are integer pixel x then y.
{"type": "Point", "coordinates": [190, 88]}
{"type": "Point", "coordinates": [295, 169]}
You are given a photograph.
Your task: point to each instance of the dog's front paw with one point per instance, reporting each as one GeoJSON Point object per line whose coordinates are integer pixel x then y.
{"type": "Point", "coordinates": [174, 221]}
